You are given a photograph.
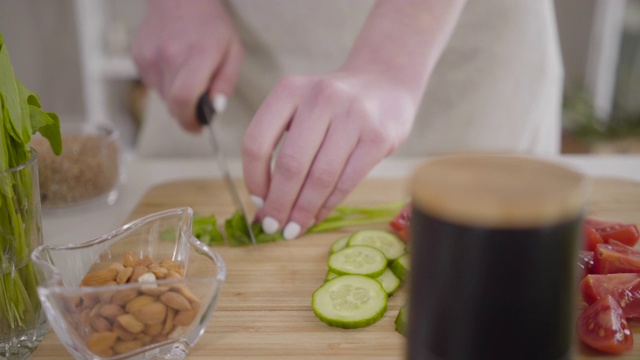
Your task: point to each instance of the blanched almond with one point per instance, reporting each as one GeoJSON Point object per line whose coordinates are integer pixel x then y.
{"type": "Point", "coordinates": [100, 277]}
{"type": "Point", "coordinates": [101, 342]}
{"type": "Point", "coordinates": [123, 347]}
{"type": "Point", "coordinates": [175, 301]}
{"type": "Point", "coordinates": [151, 314]}
{"type": "Point", "coordinates": [130, 323]}
{"type": "Point", "coordinates": [139, 302]}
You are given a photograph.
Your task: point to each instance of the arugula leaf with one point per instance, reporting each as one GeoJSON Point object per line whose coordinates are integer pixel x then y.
{"type": "Point", "coordinates": [205, 229]}
{"type": "Point", "coordinates": [238, 234]}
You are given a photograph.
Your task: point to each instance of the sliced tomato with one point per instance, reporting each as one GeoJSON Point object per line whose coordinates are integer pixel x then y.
{"type": "Point", "coordinates": [591, 238]}
{"type": "Point", "coordinates": [625, 233]}
{"type": "Point", "coordinates": [624, 288]}
{"type": "Point", "coordinates": [603, 327]}
{"type": "Point", "coordinates": [585, 262]}
{"type": "Point", "coordinates": [616, 257]}
{"type": "Point", "coordinates": [402, 222]}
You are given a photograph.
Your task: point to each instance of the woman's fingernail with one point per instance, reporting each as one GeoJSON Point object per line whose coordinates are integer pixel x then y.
{"type": "Point", "coordinates": [270, 225]}
{"type": "Point", "coordinates": [257, 201]}
{"type": "Point", "coordinates": [220, 103]}
{"type": "Point", "coordinates": [291, 231]}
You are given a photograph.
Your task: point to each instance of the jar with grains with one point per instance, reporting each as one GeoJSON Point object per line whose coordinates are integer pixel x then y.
{"type": "Point", "coordinates": [87, 172]}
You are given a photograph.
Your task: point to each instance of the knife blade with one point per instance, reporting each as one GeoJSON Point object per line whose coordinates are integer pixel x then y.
{"type": "Point", "coordinates": [206, 114]}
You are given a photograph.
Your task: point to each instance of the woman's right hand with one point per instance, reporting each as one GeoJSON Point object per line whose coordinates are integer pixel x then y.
{"type": "Point", "coordinates": [183, 49]}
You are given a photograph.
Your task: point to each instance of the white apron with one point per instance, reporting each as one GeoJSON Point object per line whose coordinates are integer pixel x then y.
{"type": "Point", "coordinates": [497, 86]}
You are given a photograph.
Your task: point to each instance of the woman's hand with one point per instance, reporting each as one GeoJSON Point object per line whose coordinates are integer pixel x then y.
{"type": "Point", "coordinates": [339, 126]}
{"type": "Point", "coordinates": [183, 49]}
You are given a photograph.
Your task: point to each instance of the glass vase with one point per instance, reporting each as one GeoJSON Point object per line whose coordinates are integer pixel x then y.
{"type": "Point", "coordinates": [22, 321]}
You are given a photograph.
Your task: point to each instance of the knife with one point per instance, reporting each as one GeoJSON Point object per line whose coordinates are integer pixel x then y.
{"type": "Point", "coordinates": [205, 114]}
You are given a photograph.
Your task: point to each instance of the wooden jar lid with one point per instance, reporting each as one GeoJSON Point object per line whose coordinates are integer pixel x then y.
{"type": "Point", "coordinates": [498, 191]}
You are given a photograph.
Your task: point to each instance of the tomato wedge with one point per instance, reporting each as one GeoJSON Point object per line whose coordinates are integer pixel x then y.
{"type": "Point", "coordinates": [625, 233]}
{"type": "Point", "coordinates": [603, 327]}
{"type": "Point", "coordinates": [585, 262]}
{"type": "Point", "coordinates": [402, 222]}
{"type": "Point", "coordinates": [624, 288]}
{"type": "Point", "coordinates": [616, 257]}
{"type": "Point", "coordinates": [591, 238]}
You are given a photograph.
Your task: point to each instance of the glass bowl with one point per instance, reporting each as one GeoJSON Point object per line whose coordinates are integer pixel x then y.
{"type": "Point", "coordinates": [145, 291]}
{"type": "Point", "coordinates": [87, 172]}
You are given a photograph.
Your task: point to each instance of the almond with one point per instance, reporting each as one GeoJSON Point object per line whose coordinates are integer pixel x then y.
{"type": "Point", "coordinates": [139, 302]}
{"type": "Point", "coordinates": [101, 342]}
{"type": "Point", "coordinates": [154, 290]}
{"type": "Point", "coordinates": [123, 347]}
{"type": "Point", "coordinates": [168, 322]}
{"type": "Point", "coordinates": [146, 262]}
{"type": "Point", "coordinates": [106, 295]}
{"type": "Point", "coordinates": [175, 301]}
{"type": "Point", "coordinates": [130, 323]}
{"type": "Point", "coordinates": [122, 297]}
{"type": "Point", "coordinates": [100, 277]}
{"type": "Point", "coordinates": [138, 271]}
{"type": "Point", "coordinates": [151, 314]}
{"type": "Point", "coordinates": [85, 316]}
{"type": "Point", "coordinates": [123, 333]}
{"type": "Point", "coordinates": [100, 324]}
{"type": "Point", "coordinates": [117, 266]}
{"type": "Point", "coordinates": [110, 311]}
{"type": "Point", "coordinates": [172, 275]}
{"type": "Point", "coordinates": [124, 275]}
{"type": "Point", "coordinates": [89, 301]}
{"type": "Point", "coordinates": [158, 271]}
{"type": "Point", "coordinates": [184, 291]}
{"type": "Point", "coordinates": [143, 338]}
{"type": "Point", "coordinates": [173, 265]}
{"type": "Point", "coordinates": [185, 317]}
{"type": "Point", "coordinates": [159, 338]}
{"type": "Point", "coordinates": [129, 260]}
{"type": "Point", "coordinates": [153, 330]}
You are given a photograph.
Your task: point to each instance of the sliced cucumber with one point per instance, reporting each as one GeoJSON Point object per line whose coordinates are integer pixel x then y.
{"type": "Point", "coordinates": [390, 245]}
{"type": "Point", "coordinates": [330, 275]}
{"type": "Point", "coordinates": [358, 260]}
{"type": "Point", "coordinates": [401, 320]}
{"type": "Point", "coordinates": [390, 283]}
{"type": "Point", "coordinates": [349, 301]}
{"type": "Point", "coordinates": [400, 266]}
{"type": "Point", "coordinates": [339, 244]}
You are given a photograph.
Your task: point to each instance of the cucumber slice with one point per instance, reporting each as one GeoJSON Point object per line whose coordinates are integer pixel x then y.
{"type": "Point", "coordinates": [390, 245]}
{"type": "Point", "coordinates": [400, 266]}
{"type": "Point", "coordinates": [339, 244]}
{"type": "Point", "coordinates": [330, 275]}
{"type": "Point", "coordinates": [390, 283]}
{"type": "Point", "coordinates": [349, 301]}
{"type": "Point", "coordinates": [401, 320]}
{"type": "Point", "coordinates": [358, 260]}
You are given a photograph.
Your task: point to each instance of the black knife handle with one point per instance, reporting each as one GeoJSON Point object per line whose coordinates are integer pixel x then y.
{"type": "Point", "coordinates": [205, 109]}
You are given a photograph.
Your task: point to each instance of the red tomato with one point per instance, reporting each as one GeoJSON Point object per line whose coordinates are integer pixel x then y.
{"type": "Point", "coordinates": [591, 238]}
{"type": "Point", "coordinates": [585, 262]}
{"type": "Point", "coordinates": [616, 257]}
{"type": "Point", "coordinates": [625, 233]}
{"type": "Point", "coordinates": [603, 327]}
{"type": "Point", "coordinates": [402, 221]}
{"type": "Point", "coordinates": [624, 288]}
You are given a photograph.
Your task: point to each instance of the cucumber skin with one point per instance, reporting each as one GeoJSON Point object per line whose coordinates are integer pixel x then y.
{"type": "Point", "coordinates": [354, 241]}
{"type": "Point", "coordinates": [401, 320]}
{"type": "Point", "coordinates": [339, 244]}
{"type": "Point", "coordinates": [349, 324]}
{"type": "Point", "coordinates": [399, 269]}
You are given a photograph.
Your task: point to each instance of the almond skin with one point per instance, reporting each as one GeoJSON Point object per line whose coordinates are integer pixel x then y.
{"type": "Point", "coordinates": [129, 260]}
{"type": "Point", "coordinates": [168, 322]}
{"type": "Point", "coordinates": [138, 271]}
{"type": "Point", "coordinates": [100, 277]}
{"type": "Point", "coordinates": [122, 297]}
{"type": "Point", "coordinates": [110, 311]}
{"type": "Point", "coordinates": [185, 318]}
{"type": "Point", "coordinates": [100, 324]}
{"type": "Point", "coordinates": [124, 275]}
{"type": "Point", "coordinates": [175, 301]}
{"type": "Point", "coordinates": [139, 302]}
{"type": "Point", "coordinates": [123, 333]}
{"type": "Point", "coordinates": [153, 330]}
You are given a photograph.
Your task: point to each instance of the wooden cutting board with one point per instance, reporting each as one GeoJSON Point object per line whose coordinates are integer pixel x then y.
{"type": "Point", "coordinates": [265, 308]}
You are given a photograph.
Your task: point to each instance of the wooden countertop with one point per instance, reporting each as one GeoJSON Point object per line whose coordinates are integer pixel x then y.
{"type": "Point", "coordinates": [265, 308]}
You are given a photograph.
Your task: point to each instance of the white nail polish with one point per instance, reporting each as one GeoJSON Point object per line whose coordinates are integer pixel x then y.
{"type": "Point", "coordinates": [257, 201]}
{"type": "Point", "coordinates": [270, 225]}
{"type": "Point", "coordinates": [291, 231]}
{"type": "Point", "coordinates": [220, 103]}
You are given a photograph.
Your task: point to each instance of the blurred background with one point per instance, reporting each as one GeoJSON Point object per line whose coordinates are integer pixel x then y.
{"type": "Point", "coordinates": [75, 55]}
